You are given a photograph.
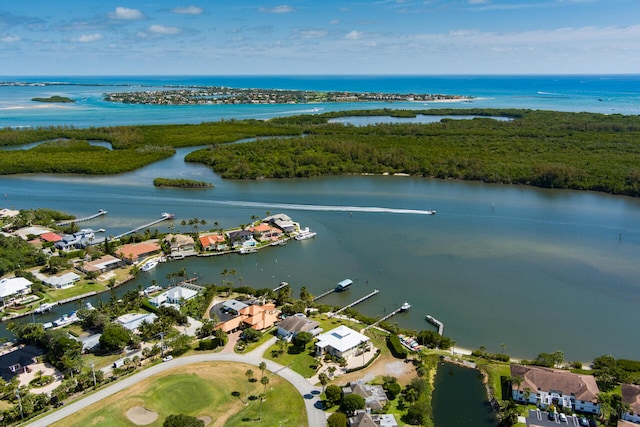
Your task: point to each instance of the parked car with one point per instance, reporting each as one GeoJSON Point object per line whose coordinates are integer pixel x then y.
{"type": "Point", "coordinates": [562, 417]}
{"type": "Point", "coordinates": [551, 416]}
{"type": "Point", "coordinates": [583, 422]}
{"type": "Point", "coordinates": [168, 358]}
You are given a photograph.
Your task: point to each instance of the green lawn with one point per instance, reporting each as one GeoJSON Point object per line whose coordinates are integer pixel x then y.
{"type": "Point", "coordinates": [215, 390]}
{"type": "Point", "coordinates": [302, 362]}
{"type": "Point", "coordinates": [78, 289]}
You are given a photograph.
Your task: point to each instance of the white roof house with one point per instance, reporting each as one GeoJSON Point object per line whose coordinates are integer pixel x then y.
{"type": "Point", "coordinates": [133, 321]}
{"type": "Point", "coordinates": [174, 295]}
{"type": "Point", "coordinates": [64, 281]}
{"type": "Point", "coordinates": [341, 342]}
{"type": "Point", "coordinates": [14, 286]}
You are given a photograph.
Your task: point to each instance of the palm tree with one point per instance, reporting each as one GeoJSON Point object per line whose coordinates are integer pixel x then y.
{"type": "Point", "coordinates": [324, 380]}
{"type": "Point", "coordinates": [249, 375]}
{"type": "Point", "coordinates": [262, 367]}
{"type": "Point", "coordinates": [264, 381]}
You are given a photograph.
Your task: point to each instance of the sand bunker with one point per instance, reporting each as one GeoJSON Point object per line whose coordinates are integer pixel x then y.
{"type": "Point", "coordinates": [141, 416]}
{"type": "Point", "coordinates": [206, 419]}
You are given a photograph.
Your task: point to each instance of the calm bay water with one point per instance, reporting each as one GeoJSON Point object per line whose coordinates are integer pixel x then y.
{"type": "Point", "coordinates": [537, 270]}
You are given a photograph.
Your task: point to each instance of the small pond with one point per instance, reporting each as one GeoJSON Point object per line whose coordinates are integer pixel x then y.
{"type": "Point", "coordinates": [460, 399]}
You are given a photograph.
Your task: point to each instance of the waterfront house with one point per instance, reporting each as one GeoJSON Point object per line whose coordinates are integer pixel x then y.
{"type": "Point", "coordinates": [79, 240]}
{"type": "Point", "coordinates": [173, 296]}
{"type": "Point", "coordinates": [63, 281]}
{"type": "Point", "coordinates": [544, 387]}
{"type": "Point", "coordinates": [364, 418]}
{"type": "Point", "coordinates": [213, 242]}
{"type": "Point", "coordinates": [101, 265]}
{"type": "Point", "coordinates": [12, 288]}
{"type": "Point", "coordinates": [265, 231]}
{"type": "Point", "coordinates": [340, 342]}
{"type": "Point", "coordinates": [242, 238]}
{"type": "Point", "coordinates": [374, 396]}
{"type": "Point", "coordinates": [282, 221]}
{"type": "Point", "coordinates": [136, 252]}
{"type": "Point", "coordinates": [291, 326]}
{"type": "Point", "coordinates": [8, 213]}
{"type": "Point", "coordinates": [132, 321]}
{"type": "Point", "coordinates": [631, 397]}
{"type": "Point", "coordinates": [181, 245]}
{"type": "Point", "coordinates": [255, 316]}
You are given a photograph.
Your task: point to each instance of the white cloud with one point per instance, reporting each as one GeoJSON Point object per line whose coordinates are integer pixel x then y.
{"type": "Point", "coordinates": [353, 35]}
{"type": "Point", "coordinates": [334, 22]}
{"type": "Point", "coordinates": [126, 14]}
{"type": "Point", "coordinates": [88, 38]}
{"type": "Point", "coordinates": [278, 9]}
{"type": "Point", "coordinates": [313, 34]}
{"type": "Point", "coordinates": [10, 39]}
{"type": "Point", "coordinates": [161, 29]}
{"type": "Point", "coordinates": [189, 10]}
{"type": "Point", "coordinates": [478, 1]}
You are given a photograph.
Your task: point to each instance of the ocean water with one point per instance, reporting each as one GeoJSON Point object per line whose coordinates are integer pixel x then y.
{"type": "Point", "coordinates": [601, 94]}
{"type": "Point", "coordinates": [537, 270]}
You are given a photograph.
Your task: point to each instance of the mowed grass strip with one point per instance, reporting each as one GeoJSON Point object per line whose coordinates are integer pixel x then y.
{"type": "Point", "coordinates": [201, 390]}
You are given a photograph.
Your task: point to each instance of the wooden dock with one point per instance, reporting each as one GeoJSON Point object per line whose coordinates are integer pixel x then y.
{"type": "Point", "coordinates": [280, 286]}
{"type": "Point", "coordinates": [164, 217]}
{"type": "Point", "coordinates": [86, 218]}
{"type": "Point", "coordinates": [388, 316]}
{"type": "Point", "coordinates": [358, 301]}
{"type": "Point", "coordinates": [436, 322]}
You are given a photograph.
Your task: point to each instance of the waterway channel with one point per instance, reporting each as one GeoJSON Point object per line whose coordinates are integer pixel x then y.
{"type": "Point", "coordinates": [537, 270]}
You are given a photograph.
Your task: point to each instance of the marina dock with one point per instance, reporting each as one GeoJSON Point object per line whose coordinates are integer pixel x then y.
{"type": "Point", "coordinates": [324, 294]}
{"type": "Point", "coordinates": [436, 322]}
{"type": "Point", "coordinates": [356, 302]}
{"type": "Point", "coordinates": [164, 217]}
{"type": "Point", "coordinates": [400, 309]}
{"type": "Point", "coordinates": [86, 218]}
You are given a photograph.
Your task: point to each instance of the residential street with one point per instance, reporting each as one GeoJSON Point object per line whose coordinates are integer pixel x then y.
{"type": "Point", "coordinates": [315, 415]}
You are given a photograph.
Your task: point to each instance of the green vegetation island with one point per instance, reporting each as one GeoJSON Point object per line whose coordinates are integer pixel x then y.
{"type": "Point", "coordinates": [226, 95]}
{"type": "Point", "coordinates": [55, 98]}
{"type": "Point", "coordinates": [180, 183]}
{"type": "Point", "coordinates": [580, 151]}
{"type": "Point", "coordinates": [60, 370]}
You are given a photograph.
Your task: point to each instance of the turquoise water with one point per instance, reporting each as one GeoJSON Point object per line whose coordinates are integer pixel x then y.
{"type": "Point", "coordinates": [537, 270]}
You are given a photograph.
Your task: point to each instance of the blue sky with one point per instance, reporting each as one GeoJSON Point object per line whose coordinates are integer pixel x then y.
{"type": "Point", "coordinates": [216, 37]}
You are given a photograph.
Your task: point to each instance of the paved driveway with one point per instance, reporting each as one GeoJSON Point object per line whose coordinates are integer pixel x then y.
{"type": "Point", "coordinates": [315, 415]}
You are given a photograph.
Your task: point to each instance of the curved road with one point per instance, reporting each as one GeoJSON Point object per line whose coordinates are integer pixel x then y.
{"type": "Point", "coordinates": [315, 415]}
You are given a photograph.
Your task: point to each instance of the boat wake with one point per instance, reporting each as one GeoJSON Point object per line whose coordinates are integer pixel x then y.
{"type": "Point", "coordinates": [325, 208]}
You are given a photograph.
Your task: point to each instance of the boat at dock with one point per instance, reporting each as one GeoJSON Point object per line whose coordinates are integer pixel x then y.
{"type": "Point", "coordinates": [305, 234]}
{"type": "Point", "coordinates": [406, 306]}
{"type": "Point", "coordinates": [45, 307]}
{"type": "Point", "coordinates": [248, 250]}
{"type": "Point", "coordinates": [149, 265]}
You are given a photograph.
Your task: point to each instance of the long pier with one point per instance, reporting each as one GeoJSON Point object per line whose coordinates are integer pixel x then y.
{"type": "Point", "coordinates": [86, 218]}
{"type": "Point", "coordinates": [324, 294]}
{"type": "Point", "coordinates": [388, 316]}
{"type": "Point", "coordinates": [356, 302]}
{"type": "Point", "coordinates": [165, 216]}
{"type": "Point", "coordinates": [436, 322]}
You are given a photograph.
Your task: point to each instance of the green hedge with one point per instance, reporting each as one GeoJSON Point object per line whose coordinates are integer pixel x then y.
{"type": "Point", "coordinates": [396, 347]}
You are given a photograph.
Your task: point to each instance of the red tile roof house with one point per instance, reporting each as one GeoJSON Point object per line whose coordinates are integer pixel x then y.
{"type": "Point", "coordinates": [631, 397]}
{"type": "Point", "coordinates": [135, 252]}
{"type": "Point", "coordinates": [50, 237]}
{"type": "Point", "coordinates": [266, 232]}
{"type": "Point", "coordinates": [213, 242]}
{"type": "Point", "coordinates": [563, 389]}
{"type": "Point", "coordinates": [258, 317]}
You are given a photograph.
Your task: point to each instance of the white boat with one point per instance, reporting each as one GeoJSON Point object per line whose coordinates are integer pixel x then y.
{"type": "Point", "coordinates": [45, 307]}
{"type": "Point", "coordinates": [149, 265]}
{"type": "Point", "coordinates": [305, 234]}
{"type": "Point", "coordinates": [248, 250]}
{"type": "Point", "coordinates": [406, 306]}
